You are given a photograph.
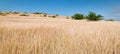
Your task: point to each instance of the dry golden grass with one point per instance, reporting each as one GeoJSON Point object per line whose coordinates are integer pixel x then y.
{"type": "Point", "coordinates": [32, 35]}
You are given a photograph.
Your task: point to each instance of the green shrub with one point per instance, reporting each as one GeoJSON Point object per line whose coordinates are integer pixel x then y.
{"type": "Point", "coordinates": [78, 16]}
{"type": "Point", "coordinates": [24, 15]}
{"type": "Point", "coordinates": [93, 17]}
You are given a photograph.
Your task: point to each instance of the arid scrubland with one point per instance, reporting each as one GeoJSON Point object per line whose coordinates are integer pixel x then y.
{"type": "Point", "coordinates": [33, 35]}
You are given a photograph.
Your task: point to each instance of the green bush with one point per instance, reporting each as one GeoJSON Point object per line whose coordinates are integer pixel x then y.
{"type": "Point", "coordinates": [24, 15]}
{"type": "Point", "coordinates": [78, 16]}
{"type": "Point", "coordinates": [93, 17]}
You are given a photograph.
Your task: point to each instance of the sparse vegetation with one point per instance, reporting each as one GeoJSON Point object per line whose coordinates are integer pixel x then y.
{"type": "Point", "coordinates": [10, 12]}
{"type": "Point", "coordinates": [7, 12]}
{"type": "Point", "coordinates": [24, 15]}
{"type": "Point", "coordinates": [110, 20]}
{"type": "Point", "coordinates": [53, 16]}
{"type": "Point", "coordinates": [15, 12]}
{"type": "Point", "coordinates": [39, 13]}
{"type": "Point", "coordinates": [2, 14]}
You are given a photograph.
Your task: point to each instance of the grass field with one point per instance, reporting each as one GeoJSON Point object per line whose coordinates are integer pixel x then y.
{"type": "Point", "coordinates": [33, 35]}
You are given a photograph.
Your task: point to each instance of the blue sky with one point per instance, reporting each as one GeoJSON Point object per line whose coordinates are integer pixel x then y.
{"type": "Point", "coordinates": [107, 8]}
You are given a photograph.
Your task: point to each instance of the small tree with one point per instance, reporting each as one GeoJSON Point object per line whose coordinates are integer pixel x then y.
{"type": "Point", "coordinates": [78, 16]}
{"type": "Point", "coordinates": [93, 17]}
